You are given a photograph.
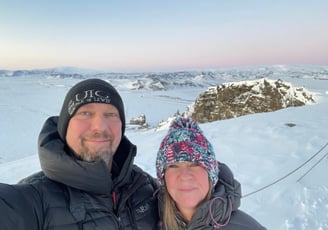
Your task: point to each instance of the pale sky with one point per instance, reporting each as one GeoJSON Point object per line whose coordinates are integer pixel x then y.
{"type": "Point", "coordinates": [148, 35]}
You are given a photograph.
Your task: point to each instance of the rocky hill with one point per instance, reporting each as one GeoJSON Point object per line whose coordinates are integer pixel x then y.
{"type": "Point", "coordinates": [231, 100]}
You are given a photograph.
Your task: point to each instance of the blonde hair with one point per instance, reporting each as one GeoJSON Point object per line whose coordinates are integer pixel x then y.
{"type": "Point", "coordinates": [170, 220]}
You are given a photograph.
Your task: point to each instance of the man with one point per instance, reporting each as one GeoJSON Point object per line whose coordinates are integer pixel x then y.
{"type": "Point", "coordinates": [88, 180]}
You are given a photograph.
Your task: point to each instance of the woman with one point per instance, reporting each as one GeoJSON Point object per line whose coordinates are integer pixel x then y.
{"type": "Point", "coordinates": [197, 192]}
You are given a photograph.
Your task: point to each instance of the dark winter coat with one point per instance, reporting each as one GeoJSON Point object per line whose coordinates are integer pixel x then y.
{"type": "Point", "coordinates": [74, 194]}
{"type": "Point", "coordinates": [221, 211]}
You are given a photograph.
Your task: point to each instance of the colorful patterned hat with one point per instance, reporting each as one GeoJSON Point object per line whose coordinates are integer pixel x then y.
{"type": "Point", "coordinates": [186, 142]}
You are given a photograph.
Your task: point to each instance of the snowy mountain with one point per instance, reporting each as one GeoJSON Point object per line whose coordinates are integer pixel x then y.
{"type": "Point", "coordinates": [173, 80]}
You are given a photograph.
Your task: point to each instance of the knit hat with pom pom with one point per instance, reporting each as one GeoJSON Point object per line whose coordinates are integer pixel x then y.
{"type": "Point", "coordinates": [185, 142]}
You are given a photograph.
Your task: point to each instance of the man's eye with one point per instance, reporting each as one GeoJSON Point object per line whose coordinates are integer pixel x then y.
{"type": "Point", "coordinates": [84, 113]}
{"type": "Point", "coordinates": [111, 115]}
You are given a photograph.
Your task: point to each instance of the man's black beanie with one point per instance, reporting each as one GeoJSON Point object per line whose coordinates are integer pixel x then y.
{"type": "Point", "coordinates": [88, 91]}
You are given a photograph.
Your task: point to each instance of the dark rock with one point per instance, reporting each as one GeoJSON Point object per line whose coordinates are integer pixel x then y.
{"type": "Point", "coordinates": [231, 100]}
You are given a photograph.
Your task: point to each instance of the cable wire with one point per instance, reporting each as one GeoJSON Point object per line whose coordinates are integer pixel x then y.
{"type": "Point", "coordinates": [288, 174]}
{"type": "Point", "coordinates": [312, 167]}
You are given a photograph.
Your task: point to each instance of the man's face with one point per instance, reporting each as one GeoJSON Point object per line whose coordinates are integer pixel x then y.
{"type": "Point", "coordinates": [95, 132]}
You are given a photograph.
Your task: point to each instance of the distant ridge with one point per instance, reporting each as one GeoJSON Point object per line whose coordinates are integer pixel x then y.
{"type": "Point", "coordinates": [172, 80]}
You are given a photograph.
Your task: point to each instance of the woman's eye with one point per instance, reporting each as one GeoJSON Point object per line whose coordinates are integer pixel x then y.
{"type": "Point", "coordinates": [194, 164]}
{"type": "Point", "coordinates": [172, 166]}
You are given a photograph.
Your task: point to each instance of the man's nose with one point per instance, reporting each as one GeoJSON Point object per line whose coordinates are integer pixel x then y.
{"type": "Point", "coordinates": [98, 122]}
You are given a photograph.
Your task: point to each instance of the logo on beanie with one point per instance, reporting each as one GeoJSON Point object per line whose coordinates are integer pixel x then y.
{"type": "Point", "coordinates": [87, 96]}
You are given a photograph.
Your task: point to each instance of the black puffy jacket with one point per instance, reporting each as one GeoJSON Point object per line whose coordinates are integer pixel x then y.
{"type": "Point", "coordinates": [73, 194]}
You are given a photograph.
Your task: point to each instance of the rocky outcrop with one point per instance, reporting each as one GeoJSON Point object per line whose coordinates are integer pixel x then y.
{"type": "Point", "coordinates": [231, 100]}
{"type": "Point", "coordinates": [138, 122]}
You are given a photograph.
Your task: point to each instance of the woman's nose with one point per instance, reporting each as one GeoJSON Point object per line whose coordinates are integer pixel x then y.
{"type": "Point", "coordinates": [185, 173]}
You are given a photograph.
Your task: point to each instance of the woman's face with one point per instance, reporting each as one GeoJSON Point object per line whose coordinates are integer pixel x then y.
{"type": "Point", "coordinates": [188, 184]}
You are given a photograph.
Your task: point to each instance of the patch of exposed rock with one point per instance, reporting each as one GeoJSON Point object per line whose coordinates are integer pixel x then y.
{"type": "Point", "coordinates": [138, 122]}
{"type": "Point", "coordinates": [236, 99]}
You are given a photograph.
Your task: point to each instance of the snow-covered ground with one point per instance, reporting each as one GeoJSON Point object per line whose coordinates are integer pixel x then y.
{"type": "Point", "coordinates": [261, 149]}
